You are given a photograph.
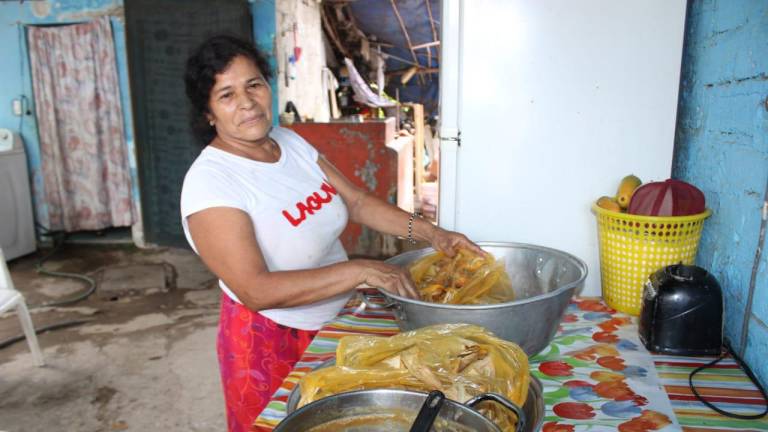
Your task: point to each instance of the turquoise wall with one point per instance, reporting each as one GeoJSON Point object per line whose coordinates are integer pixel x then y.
{"type": "Point", "coordinates": [722, 147]}
{"type": "Point", "coordinates": [264, 29]}
{"type": "Point", "coordinates": [15, 75]}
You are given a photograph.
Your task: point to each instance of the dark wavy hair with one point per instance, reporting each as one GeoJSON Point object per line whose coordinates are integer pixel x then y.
{"type": "Point", "coordinates": [213, 57]}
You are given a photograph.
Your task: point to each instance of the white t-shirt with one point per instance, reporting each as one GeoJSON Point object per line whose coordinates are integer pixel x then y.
{"type": "Point", "coordinates": [297, 215]}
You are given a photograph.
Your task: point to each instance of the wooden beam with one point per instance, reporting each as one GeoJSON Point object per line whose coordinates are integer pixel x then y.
{"type": "Point", "coordinates": [426, 45]}
{"type": "Point", "coordinates": [434, 31]}
{"type": "Point", "coordinates": [421, 71]}
{"type": "Point", "coordinates": [380, 43]}
{"type": "Point", "coordinates": [418, 149]}
{"type": "Point", "coordinates": [407, 36]}
{"type": "Point", "coordinates": [400, 59]}
{"type": "Point", "coordinates": [332, 33]}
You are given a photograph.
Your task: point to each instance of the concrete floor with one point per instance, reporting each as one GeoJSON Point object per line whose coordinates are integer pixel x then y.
{"type": "Point", "coordinates": [146, 359]}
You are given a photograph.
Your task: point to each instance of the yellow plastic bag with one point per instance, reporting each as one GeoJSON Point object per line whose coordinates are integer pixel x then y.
{"type": "Point", "coordinates": [461, 360]}
{"type": "Point", "coordinates": [467, 278]}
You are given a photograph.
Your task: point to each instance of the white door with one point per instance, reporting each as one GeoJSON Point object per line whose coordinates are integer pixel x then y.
{"type": "Point", "coordinates": [555, 101]}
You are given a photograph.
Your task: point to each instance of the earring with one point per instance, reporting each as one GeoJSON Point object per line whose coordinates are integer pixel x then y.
{"type": "Point", "coordinates": [211, 123]}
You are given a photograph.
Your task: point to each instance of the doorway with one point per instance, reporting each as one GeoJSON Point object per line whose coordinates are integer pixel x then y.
{"type": "Point", "coordinates": [159, 38]}
{"type": "Point", "coordinates": [84, 161]}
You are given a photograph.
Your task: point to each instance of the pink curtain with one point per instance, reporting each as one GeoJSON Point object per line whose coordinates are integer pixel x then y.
{"type": "Point", "coordinates": [80, 122]}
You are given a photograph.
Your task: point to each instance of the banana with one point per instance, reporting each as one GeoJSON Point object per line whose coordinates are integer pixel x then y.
{"type": "Point", "coordinates": [626, 189]}
{"type": "Point", "coordinates": [608, 203]}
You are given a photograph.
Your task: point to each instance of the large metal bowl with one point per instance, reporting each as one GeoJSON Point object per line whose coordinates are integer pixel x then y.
{"type": "Point", "coordinates": [544, 280]}
{"type": "Point", "coordinates": [391, 410]}
{"type": "Point", "coordinates": [356, 403]}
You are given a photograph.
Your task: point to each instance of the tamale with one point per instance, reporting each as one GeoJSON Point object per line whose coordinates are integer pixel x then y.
{"type": "Point", "coordinates": [461, 360]}
{"type": "Point", "coordinates": [467, 278]}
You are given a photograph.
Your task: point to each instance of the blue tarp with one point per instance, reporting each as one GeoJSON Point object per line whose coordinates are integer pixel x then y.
{"type": "Point", "coordinates": [377, 18]}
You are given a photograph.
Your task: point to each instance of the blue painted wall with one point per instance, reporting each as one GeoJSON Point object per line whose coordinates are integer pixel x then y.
{"type": "Point", "coordinates": [722, 147]}
{"type": "Point", "coordinates": [15, 74]}
{"type": "Point", "coordinates": [264, 29]}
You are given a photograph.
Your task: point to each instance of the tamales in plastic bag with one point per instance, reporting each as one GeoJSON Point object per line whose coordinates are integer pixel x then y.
{"type": "Point", "coordinates": [466, 278]}
{"type": "Point", "coordinates": [461, 360]}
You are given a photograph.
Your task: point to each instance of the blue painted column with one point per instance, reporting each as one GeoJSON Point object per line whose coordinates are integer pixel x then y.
{"type": "Point", "coordinates": [264, 29]}
{"type": "Point", "coordinates": [722, 147]}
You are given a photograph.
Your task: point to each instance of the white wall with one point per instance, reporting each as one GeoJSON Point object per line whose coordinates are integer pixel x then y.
{"type": "Point", "coordinates": [305, 90]}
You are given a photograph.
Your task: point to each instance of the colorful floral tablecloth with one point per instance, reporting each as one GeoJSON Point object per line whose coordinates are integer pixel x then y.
{"type": "Point", "coordinates": [596, 374]}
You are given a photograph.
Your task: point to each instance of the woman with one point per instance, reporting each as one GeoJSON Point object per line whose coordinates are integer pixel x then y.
{"type": "Point", "coordinates": [264, 211]}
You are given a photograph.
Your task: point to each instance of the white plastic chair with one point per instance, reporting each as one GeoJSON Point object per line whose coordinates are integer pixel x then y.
{"type": "Point", "coordinates": [9, 299]}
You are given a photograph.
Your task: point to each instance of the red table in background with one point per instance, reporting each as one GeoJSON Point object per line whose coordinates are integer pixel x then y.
{"type": "Point", "coordinates": [373, 157]}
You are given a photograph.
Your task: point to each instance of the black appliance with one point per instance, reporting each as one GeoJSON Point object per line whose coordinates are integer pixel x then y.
{"type": "Point", "coordinates": [682, 312]}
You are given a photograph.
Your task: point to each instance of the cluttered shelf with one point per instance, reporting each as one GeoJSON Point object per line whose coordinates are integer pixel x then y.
{"type": "Point", "coordinates": [595, 374]}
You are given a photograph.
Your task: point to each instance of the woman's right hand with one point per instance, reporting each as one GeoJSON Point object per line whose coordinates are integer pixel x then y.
{"type": "Point", "coordinates": [394, 279]}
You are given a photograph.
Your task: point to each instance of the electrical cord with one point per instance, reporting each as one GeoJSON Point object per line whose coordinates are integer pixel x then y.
{"type": "Point", "coordinates": [755, 268]}
{"type": "Point", "coordinates": [746, 370]}
{"type": "Point", "coordinates": [20, 32]}
{"type": "Point", "coordinates": [744, 331]}
{"type": "Point", "coordinates": [59, 238]}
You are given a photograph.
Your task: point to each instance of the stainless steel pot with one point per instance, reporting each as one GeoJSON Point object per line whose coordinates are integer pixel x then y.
{"type": "Point", "coordinates": [544, 280]}
{"type": "Point", "coordinates": [350, 406]}
{"type": "Point", "coordinates": [392, 410]}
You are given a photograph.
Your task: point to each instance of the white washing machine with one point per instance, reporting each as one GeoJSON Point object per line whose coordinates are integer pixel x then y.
{"type": "Point", "coordinates": [17, 224]}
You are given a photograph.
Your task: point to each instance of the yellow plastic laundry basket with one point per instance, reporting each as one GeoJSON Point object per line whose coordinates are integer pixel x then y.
{"type": "Point", "coordinates": [633, 247]}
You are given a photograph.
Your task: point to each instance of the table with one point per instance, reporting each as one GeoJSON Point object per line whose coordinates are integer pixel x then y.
{"type": "Point", "coordinates": [597, 376]}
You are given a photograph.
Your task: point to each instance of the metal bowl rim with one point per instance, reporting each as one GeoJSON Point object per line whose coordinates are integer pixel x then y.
{"type": "Point", "coordinates": [387, 391]}
{"type": "Point", "coordinates": [578, 261]}
{"type": "Point", "coordinates": [534, 382]}
{"type": "Point", "coordinates": [471, 411]}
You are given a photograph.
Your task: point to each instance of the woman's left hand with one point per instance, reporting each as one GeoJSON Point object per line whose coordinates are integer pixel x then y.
{"type": "Point", "coordinates": [449, 242]}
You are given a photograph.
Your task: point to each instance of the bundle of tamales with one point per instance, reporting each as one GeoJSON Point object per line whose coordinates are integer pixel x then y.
{"type": "Point", "coordinates": [461, 360]}
{"type": "Point", "coordinates": [466, 278]}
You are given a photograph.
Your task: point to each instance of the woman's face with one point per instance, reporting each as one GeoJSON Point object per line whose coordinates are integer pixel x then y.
{"type": "Point", "coordinates": [241, 102]}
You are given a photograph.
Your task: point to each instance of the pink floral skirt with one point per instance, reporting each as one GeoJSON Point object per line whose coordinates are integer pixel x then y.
{"type": "Point", "coordinates": [255, 355]}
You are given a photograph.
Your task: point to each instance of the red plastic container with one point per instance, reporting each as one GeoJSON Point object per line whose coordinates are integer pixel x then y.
{"type": "Point", "coordinates": [668, 198]}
